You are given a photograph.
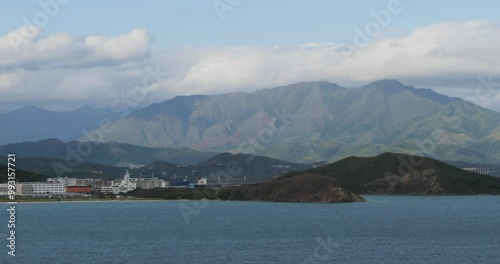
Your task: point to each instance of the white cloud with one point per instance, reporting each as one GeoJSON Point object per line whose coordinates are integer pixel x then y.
{"type": "Point", "coordinates": [64, 50]}
{"type": "Point", "coordinates": [450, 57]}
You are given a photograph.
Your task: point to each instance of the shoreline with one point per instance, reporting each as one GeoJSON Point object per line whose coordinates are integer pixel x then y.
{"type": "Point", "coordinates": [31, 201]}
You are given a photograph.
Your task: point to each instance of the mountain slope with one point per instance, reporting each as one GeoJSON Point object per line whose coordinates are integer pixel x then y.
{"type": "Point", "coordinates": [298, 188]}
{"type": "Point", "coordinates": [31, 123]}
{"type": "Point", "coordinates": [226, 168]}
{"type": "Point", "coordinates": [110, 153]}
{"type": "Point", "coordinates": [45, 167]}
{"type": "Point", "coordinates": [311, 121]}
{"type": "Point", "coordinates": [21, 175]}
{"type": "Point", "coordinates": [394, 173]}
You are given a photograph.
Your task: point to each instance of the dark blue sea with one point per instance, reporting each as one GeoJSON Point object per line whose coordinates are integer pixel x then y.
{"type": "Point", "coordinates": [386, 229]}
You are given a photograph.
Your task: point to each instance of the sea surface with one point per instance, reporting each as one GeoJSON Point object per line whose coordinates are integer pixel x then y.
{"type": "Point", "coordinates": [386, 229]}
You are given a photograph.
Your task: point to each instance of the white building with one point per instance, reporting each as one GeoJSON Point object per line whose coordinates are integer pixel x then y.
{"type": "Point", "coordinates": [107, 189]}
{"type": "Point", "coordinates": [4, 189]}
{"type": "Point", "coordinates": [66, 180]}
{"type": "Point", "coordinates": [202, 181]}
{"type": "Point", "coordinates": [481, 170]}
{"type": "Point", "coordinates": [149, 183]}
{"type": "Point", "coordinates": [37, 189]}
{"type": "Point", "coordinates": [95, 183]}
{"type": "Point", "coordinates": [45, 188]}
{"type": "Point", "coordinates": [22, 189]}
{"type": "Point", "coordinates": [86, 181]}
{"type": "Point", "coordinates": [123, 186]}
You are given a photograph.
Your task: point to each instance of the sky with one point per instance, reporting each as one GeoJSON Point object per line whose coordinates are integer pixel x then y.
{"type": "Point", "coordinates": [62, 54]}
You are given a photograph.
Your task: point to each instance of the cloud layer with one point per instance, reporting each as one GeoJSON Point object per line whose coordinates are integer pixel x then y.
{"type": "Point", "coordinates": [61, 70]}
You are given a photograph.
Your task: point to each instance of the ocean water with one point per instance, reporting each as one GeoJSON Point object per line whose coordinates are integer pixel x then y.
{"type": "Point", "coordinates": [386, 229]}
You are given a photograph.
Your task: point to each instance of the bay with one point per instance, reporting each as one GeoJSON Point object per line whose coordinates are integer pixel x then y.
{"type": "Point", "coordinates": [386, 229]}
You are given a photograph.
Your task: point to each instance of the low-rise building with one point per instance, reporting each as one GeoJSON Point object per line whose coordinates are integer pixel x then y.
{"type": "Point", "coordinates": [4, 189]}
{"type": "Point", "coordinates": [149, 183]}
{"type": "Point", "coordinates": [35, 189]}
{"type": "Point", "coordinates": [40, 189]}
{"type": "Point", "coordinates": [65, 180]}
{"type": "Point", "coordinates": [107, 189]}
{"type": "Point", "coordinates": [98, 183]}
{"type": "Point", "coordinates": [78, 189]}
{"type": "Point", "coordinates": [44, 188]}
{"type": "Point", "coordinates": [479, 170]}
{"type": "Point", "coordinates": [24, 189]}
{"type": "Point", "coordinates": [86, 181]}
{"type": "Point", "coordinates": [202, 181]}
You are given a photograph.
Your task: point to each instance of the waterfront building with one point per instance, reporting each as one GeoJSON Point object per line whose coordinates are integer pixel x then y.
{"type": "Point", "coordinates": [66, 180]}
{"type": "Point", "coordinates": [4, 189]}
{"type": "Point", "coordinates": [149, 183]}
{"type": "Point", "coordinates": [78, 189]}
{"type": "Point", "coordinates": [35, 189]}
{"type": "Point", "coordinates": [86, 181]}
{"type": "Point", "coordinates": [40, 189]}
{"type": "Point", "coordinates": [123, 186]}
{"type": "Point", "coordinates": [107, 189]}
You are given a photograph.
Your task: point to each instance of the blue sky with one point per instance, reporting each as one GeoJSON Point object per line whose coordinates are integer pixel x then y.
{"type": "Point", "coordinates": [93, 52]}
{"type": "Point", "coordinates": [195, 23]}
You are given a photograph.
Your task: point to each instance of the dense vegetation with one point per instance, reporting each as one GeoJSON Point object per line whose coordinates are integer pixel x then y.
{"type": "Point", "coordinates": [54, 168]}
{"type": "Point", "coordinates": [302, 188]}
{"type": "Point", "coordinates": [174, 194]}
{"type": "Point", "coordinates": [21, 175]}
{"type": "Point", "coordinates": [228, 168]}
{"type": "Point", "coordinates": [405, 174]}
{"type": "Point", "coordinates": [230, 193]}
{"type": "Point", "coordinates": [110, 153]}
{"type": "Point", "coordinates": [307, 187]}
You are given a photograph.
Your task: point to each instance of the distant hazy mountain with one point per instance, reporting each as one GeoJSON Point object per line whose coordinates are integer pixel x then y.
{"type": "Point", "coordinates": [31, 123]}
{"type": "Point", "coordinates": [311, 121]}
{"type": "Point", "coordinates": [110, 153]}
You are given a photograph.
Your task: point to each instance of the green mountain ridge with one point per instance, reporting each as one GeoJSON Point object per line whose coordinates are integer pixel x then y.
{"type": "Point", "coordinates": [21, 175]}
{"type": "Point", "coordinates": [341, 181]}
{"type": "Point", "coordinates": [299, 188]}
{"type": "Point", "coordinates": [110, 153]}
{"type": "Point", "coordinates": [387, 173]}
{"type": "Point", "coordinates": [226, 167]}
{"type": "Point", "coordinates": [312, 121]}
{"type": "Point", "coordinates": [396, 173]}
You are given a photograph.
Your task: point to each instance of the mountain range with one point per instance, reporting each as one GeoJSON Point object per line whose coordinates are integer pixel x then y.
{"type": "Point", "coordinates": [110, 153]}
{"type": "Point", "coordinates": [224, 168]}
{"type": "Point", "coordinates": [311, 121]}
{"type": "Point", "coordinates": [274, 180]}
{"type": "Point", "coordinates": [31, 123]}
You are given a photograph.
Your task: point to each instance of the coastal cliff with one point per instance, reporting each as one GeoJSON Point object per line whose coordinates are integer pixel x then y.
{"type": "Point", "coordinates": [307, 187]}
